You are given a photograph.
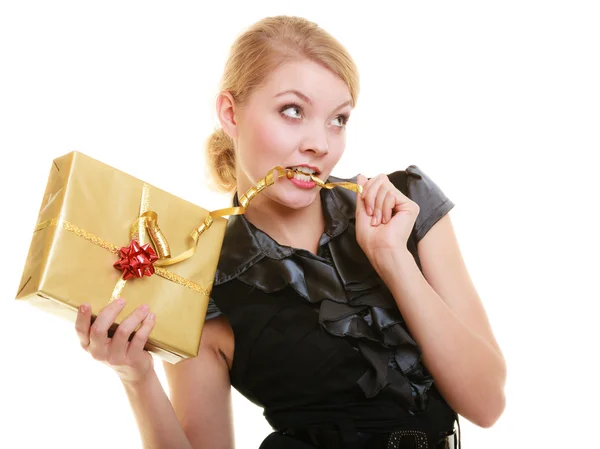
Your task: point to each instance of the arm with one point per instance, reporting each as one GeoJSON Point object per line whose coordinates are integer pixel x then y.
{"type": "Point", "coordinates": [199, 412]}
{"type": "Point", "coordinates": [200, 389]}
{"type": "Point", "coordinates": [453, 333]}
{"type": "Point", "coordinates": [444, 268]}
{"type": "Point", "coordinates": [156, 420]}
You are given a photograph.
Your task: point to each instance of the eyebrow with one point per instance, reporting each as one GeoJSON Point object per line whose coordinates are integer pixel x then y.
{"type": "Point", "coordinates": [306, 99]}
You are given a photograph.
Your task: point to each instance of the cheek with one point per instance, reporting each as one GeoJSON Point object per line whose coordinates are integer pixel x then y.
{"type": "Point", "coordinates": [271, 140]}
{"type": "Point", "coordinates": [273, 134]}
{"type": "Point", "coordinates": [265, 143]}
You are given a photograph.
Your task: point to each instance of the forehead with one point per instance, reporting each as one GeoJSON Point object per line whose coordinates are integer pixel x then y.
{"type": "Point", "coordinates": [312, 79]}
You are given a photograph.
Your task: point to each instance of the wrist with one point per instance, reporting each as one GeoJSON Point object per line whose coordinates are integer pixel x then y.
{"type": "Point", "coordinates": [139, 382]}
{"type": "Point", "coordinates": [392, 262]}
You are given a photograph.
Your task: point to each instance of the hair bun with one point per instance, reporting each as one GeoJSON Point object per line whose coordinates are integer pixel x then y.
{"type": "Point", "coordinates": [220, 158]}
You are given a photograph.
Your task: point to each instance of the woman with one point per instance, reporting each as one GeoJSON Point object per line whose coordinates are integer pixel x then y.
{"type": "Point", "coordinates": [349, 317]}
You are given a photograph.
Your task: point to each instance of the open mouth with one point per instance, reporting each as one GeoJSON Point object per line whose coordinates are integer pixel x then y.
{"type": "Point", "coordinates": [301, 176]}
{"type": "Point", "coordinates": [303, 171]}
{"type": "Point", "coordinates": [296, 170]}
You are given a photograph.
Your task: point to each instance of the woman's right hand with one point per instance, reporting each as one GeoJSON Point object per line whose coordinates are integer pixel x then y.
{"type": "Point", "coordinates": [128, 358]}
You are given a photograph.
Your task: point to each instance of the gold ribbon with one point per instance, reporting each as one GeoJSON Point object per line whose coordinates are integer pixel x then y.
{"type": "Point", "coordinates": [145, 228]}
{"type": "Point", "coordinates": [244, 200]}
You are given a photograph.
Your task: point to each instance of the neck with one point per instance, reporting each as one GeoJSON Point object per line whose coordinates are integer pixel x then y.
{"type": "Point", "coordinates": [298, 228]}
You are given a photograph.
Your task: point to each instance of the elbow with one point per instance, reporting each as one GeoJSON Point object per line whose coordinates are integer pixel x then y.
{"type": "Point", "coordinates": [496, 404]}
{"type": "Point", "coordinates": [489, 415]}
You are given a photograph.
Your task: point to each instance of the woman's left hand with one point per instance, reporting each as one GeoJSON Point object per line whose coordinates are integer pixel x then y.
{"type": "Point", "coordinates": [385, 217]}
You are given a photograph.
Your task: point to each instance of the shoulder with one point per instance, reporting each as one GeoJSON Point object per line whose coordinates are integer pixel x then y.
{"type": "Point", "coordinates": [420, 187]}
{"type": "Point", "coordinates": [224, 298]}
{"type": "Point", "coordinates": [414, 181]}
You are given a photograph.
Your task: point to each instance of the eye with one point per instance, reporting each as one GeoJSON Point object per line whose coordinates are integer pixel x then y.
{"type": "Point", "coordinates": [291, 107]}
{"type": "Point", "coordinates": [343, 118]}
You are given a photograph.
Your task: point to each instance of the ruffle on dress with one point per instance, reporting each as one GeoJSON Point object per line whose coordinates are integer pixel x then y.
{"type": "Point", "coordinates": [352, 300]}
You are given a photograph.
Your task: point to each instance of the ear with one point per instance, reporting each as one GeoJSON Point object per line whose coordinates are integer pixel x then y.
{"type": "Point", "coordinates": [226, 113]}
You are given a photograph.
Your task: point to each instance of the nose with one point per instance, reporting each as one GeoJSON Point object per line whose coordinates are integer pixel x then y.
{"type": "Point", "coordinates": [316, 142]}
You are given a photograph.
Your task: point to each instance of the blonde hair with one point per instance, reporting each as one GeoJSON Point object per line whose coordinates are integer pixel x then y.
{"type": "Point", "coordinates": [256, 53]}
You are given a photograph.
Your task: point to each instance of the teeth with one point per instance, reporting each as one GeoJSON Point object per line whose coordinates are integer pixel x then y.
{"type": "Point", "coordinates": [305, 178]}
{"type": "Point", "coordinates": [306, 170]}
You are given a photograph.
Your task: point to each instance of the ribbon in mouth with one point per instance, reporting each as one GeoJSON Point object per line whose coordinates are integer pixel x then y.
{"type": "Point", "coordinates": [290, 172]}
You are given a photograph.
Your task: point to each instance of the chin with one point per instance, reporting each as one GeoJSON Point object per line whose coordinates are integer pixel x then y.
{"type": "Point", "coordinates": [295, 198]}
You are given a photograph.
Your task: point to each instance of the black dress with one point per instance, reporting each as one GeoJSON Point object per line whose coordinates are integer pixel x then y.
{"type": "Point", "coordinates": [319, 339]}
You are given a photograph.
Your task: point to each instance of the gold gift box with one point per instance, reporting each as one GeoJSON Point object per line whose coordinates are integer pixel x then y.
{"type": "Point", "coordinates": [85, 218]}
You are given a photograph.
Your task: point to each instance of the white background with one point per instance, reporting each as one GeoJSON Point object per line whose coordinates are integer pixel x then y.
{"type": "Point", "coordinates": [498, 102]}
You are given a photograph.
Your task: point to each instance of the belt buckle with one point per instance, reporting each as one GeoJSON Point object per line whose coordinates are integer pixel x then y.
{"type": "Point", "coordinates": [396, 437]}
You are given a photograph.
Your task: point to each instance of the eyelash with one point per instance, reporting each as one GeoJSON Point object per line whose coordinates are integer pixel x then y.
{"type": "Point", "coordinates": [344, 117]}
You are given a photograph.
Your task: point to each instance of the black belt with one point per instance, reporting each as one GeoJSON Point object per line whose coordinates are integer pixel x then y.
{"type": "Point", "coordinates": [400, 439]}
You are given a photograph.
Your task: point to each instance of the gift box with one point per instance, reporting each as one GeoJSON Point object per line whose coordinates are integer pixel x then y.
{"type": "Point", "coordinates": [102, 234]}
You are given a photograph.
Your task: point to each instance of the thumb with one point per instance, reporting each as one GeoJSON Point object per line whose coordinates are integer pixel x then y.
{"type": "Point", "coordinates": [361, 179]}
{"type": "Point", "coordinates": [360, 203]}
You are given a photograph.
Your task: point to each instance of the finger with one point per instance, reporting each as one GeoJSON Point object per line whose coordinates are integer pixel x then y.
{"type": "Point", "coordinates": [360, 205]}
{"type": "Point", "coordinates": [376, 203]}
{"type": "Point", "coordinates": [118, 343]}
{"type": "Point", "coordinates": [82, 325]}
{"type": "Point", "coordinates": [360, 180]}
{"type": "Point", "coordinates": [361, 217]}
{"type": "Point", "coordinates": [379, 199]}
{"type": "Point", "coordinates": [369, 196]}
{"type": "Point", "coordinates": [388, 206]}
{"type": "Point", "coordinates": [141, 336]}
{"type": "Point", "coordinates": [361, 212]}
{"type": "Point", "coordinates": [363, 181]}
{"type": "Point", "coordinates": [100, 326]}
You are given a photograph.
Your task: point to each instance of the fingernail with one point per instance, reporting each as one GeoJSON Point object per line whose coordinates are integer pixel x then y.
{"type": "Point", "coordinates": [120, 301]}
{"type": "Point", "coordinates": [369, 210]}
{"type": "Point", "coordinates": [374, 220]}
{"type": "Point", "coordinates": [143, 307]}
{"type": "Point", "coordinates": [151, 316]}
{"type": "Point", "coordinates": [82, 308]}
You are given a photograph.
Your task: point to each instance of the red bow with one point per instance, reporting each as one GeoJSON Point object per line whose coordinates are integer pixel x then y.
{"type": "Point", "coordinates": [136, 260]}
